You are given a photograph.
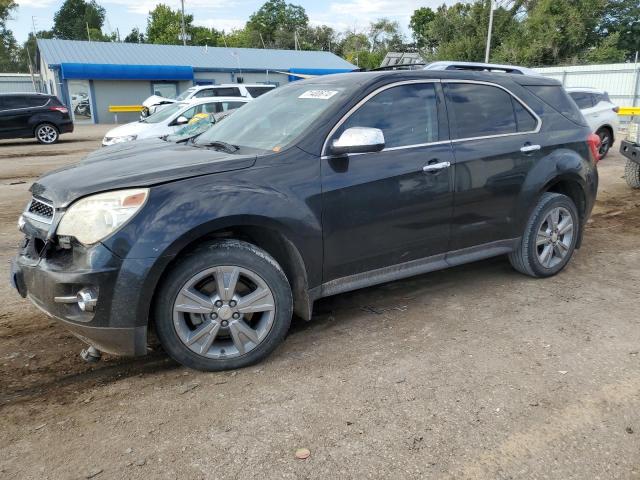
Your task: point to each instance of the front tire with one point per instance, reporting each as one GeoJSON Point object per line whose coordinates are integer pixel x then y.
{"type": "Point", "coordinates": [47, 133]}
{"type": "Point", "coordinates": [225, 305]}
{"type": "Point", "coordinates": [632, 174]}
{"type": "Point", "coordinates": [550, 237]}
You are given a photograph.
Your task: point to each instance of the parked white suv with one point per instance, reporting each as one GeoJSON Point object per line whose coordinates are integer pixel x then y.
{"type": "Point", "coordinates": [600, 113]}
{"type": "Point", "coordinates": [171, 118]}
{"type": "Point", "coordinates": [246, 90]}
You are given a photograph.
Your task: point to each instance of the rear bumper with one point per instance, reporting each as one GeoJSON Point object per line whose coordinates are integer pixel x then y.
{"type": "Point", "coordinates": [630, 150]}
{"type": "Point", "coordinates": [113, 326]}
{"type": "Point", "coordinates": [66, 127]}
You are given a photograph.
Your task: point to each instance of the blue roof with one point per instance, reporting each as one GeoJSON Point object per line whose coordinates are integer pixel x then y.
{"type": "Point", "coordinates": [57, 52]}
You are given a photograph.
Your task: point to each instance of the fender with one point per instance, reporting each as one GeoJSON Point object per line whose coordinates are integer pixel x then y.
{"type": "Point", "coordinates": [563, 164]}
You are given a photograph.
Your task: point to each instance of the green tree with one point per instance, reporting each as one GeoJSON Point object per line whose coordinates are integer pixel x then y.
{"type": "Point", "coordinates": [164, 25]}
{"type": "Point", "coordinates": [75, 17]}
{"type": "Point", "coordinates": [277, 24]}
{"type": "Point", "coordinates": [204, 36]}
{"type": "Point", "coordinates": [135, 36]}
{"type": "Point", "coordinates": [10, 54]}
{"type": "Point", "coordinates": [419, 25]}
{"type": "Point", "coordinates": [622, 17]}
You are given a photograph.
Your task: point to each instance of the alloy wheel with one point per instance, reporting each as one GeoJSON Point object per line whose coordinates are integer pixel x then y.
{"type": "Point", "coordinates": [224, 312]}
{"type": "Point", "coordinates": [555, 237]}
{"type": "Point", "coordinates": [47, 134]}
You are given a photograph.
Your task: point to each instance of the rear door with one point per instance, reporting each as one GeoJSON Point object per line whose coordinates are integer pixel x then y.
{"type": "Point", "coordinates": [383, 208]}
{"type": "Point", "coordinates": [495, 144]}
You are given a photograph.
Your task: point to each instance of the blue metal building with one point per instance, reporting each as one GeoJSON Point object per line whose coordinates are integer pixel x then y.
{"type": "Point", "coordinates": [91, 76]}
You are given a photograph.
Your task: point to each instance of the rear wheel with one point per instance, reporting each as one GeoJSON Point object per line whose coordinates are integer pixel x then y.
{"type": "Point", "coordinates": [632, 174]}
{"type": "Point", "coordinates": [550, 237]}
{"type": "Point", "coordinates": [47, 133]}
{"type": "Point", "coordinates": [224, 306]}
{"type": "Point", "coordinates": [606, 140]}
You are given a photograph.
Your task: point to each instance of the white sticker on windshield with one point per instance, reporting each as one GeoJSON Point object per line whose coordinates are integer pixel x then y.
{"type": "Point", "coordinates": [319, 94]}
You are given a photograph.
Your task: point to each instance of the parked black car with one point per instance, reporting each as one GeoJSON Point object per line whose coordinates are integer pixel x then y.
{"type": "Point", "coordinates": [321, 187]}
{"type": "Point", "coordinates": [28, 115]}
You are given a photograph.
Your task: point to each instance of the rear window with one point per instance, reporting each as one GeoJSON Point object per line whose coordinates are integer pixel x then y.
{"type": "Point", "coordinates": [255, 92]}
{"type": "Point", "coordinates": [556, 97]}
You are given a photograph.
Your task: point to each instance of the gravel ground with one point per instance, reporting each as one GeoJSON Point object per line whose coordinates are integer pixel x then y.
{"type": "Point", "coordinates": [473, 372]}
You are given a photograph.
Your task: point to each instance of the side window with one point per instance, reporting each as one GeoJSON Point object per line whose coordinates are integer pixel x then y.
{"type": "Point", "coordinates": [525, 121]}
{"type": "Point", "coordinates": [191, 112]}
{"type": "Point", "coordinates": [480, 110]}
{"type": "Point", "coordinates": [406, 114]}
{"type": "Point", "coordinates": [207, 92]}
{"type": "Point", "coordinates": [582, 99]}
{"type": "Point", "coordinates": [231, 105]}
{"type": "Point", "coordinates": [13, 102]}
{"type": "Point", "coordinates": [228, 92]}
{"type": "Point", "coordinates": [209, 108]}
{"type": "Point", "coordinates": [37, 101]}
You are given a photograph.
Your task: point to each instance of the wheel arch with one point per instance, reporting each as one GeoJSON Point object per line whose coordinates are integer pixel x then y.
{"type": "Point", "coordinates": [260, 232]}
{"type": "Point", "coordinates": [572, 187]}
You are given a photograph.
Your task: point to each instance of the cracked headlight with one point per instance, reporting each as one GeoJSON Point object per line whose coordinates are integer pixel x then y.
{"type": "Point", "coordinates": [94, 218]}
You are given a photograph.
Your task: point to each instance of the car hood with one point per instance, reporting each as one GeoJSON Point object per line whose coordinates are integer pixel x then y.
{"type": "Point", "coordinates": [133, 128]}
{"type": "Point", "coordinates": [134, 164]}
{"type": "Point", "coordinates": [156, 100]}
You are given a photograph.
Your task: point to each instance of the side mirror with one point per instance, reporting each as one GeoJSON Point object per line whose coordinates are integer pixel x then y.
{"type": "Point", "coordinates": [181, 120]}
{"type": "Point", "coordinates": [358, 140]}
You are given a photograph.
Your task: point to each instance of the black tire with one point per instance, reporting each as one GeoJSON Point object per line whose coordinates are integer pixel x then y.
{"type": "Point", "coordinates": [606, 140]}
{"type": "Point", "coordinates": [223, 252]}
{"type": "Point", "coordinates": [632, 174]}
{"type": "Point", "coordinates": [47, 133]}
{"type": "Point", "coordinates": [525, 258]}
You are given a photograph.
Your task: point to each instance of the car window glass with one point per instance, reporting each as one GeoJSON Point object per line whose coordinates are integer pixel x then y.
{"type": "Point", "coordinates": [231, 105]}
{"type": "Point", "coordinates": [406, 114]}
{"type": "Point", "coordinates": [227, 92]}
{"type": "Point", "coordinates": [15, 102]}
{"type": "Point", "coordinates": [209, 108]}
{"type": "Point", "coordinates": [207, 92]}
{"type": "Point", "coordinates": [582, 99]}
{"type": "Point", "coordinates": [255, 92]}
{"type": "Point", "coordinates": [188, 114]}
{"type": "Point", "coordinates": [557, 98]}
{"type": "Point", "coordinates": [480, 110]}
{"type": "Point", "coordinates": [37, 101]}
{"type": "Point", "coordinates": [524, 120]}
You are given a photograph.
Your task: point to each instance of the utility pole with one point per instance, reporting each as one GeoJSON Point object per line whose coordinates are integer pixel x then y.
{"type": "Point", "coordinates": [184, 33]}
{"type": "Point", "coordinates": [486, 53]}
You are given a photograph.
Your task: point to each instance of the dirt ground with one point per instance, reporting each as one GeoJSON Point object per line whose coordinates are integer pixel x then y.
{"type": "Point", "coordinates": [473, 372]}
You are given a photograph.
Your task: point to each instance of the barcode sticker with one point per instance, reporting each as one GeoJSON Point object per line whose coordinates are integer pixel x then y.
{"type": "Point", "coordinates": [319, 94]}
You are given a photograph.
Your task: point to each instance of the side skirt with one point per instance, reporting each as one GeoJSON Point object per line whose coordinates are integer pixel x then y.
{"type": "Point", "coordinates": [414, 267]}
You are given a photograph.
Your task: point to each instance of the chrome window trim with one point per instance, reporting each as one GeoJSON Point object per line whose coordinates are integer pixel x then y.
{"type": "Point", "coordinates": [345, 117]}
{"type": "Point", "coordinates": [522, 102]}
{"type": "Point", "coordinates": [353, 109]}
{"type": "Point", "coordinates": [26, 108]}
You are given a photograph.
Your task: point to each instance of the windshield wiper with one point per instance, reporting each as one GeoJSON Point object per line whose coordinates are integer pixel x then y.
{"type": "Point", "coordinates": [220, 145]}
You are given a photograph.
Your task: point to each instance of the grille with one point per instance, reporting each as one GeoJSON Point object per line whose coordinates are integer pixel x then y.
{"type": "Point", "coordinates": [40, 209]}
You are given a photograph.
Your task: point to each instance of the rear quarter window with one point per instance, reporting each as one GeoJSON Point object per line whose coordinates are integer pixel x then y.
{"type": "Point", "coordinates": [255, 92]}
{"type": "Point", "coordinates": [557, 98]}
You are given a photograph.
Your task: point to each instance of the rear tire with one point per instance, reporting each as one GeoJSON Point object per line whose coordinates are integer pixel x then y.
{"type": "Point", "coordinates": [47, 134]}
{"type": "Point", "coordinates": [632, 174]}
{"type": "Point", "coordinates": [606, 140]}
{"type": "Point", "coordinates": [226, 305]}
{"type": "Point", "coordinates": [549, 238]}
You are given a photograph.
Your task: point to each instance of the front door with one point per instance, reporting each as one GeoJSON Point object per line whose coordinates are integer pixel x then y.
{"type": "Point", "coordinates": [15, 112]}
{"type": "Point", "coordinates": [383, 208]}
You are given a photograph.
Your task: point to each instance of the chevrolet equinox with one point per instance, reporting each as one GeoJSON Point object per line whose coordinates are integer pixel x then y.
{"type": "Point", "coordinates": [320, 187]}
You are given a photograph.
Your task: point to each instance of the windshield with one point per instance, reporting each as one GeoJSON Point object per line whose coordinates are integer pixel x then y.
{"type": "Point", "coordinates": [164, 113]}
{"type": "Point", "coordinates": [276, 119]}
{"type": "Point", "coordinates": [185, 94]}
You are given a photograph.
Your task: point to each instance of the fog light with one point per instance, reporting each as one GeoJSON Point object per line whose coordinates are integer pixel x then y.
{"type": "Point", "coordinates": [87, 299]}
{"type": "Point", "coordinates": [21, 223]}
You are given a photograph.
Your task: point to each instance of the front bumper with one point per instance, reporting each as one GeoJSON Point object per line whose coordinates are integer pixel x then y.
{"type": "Point", "coordinates": [113, 326]}
{"type": "Point", "coordinates": [630, 150]}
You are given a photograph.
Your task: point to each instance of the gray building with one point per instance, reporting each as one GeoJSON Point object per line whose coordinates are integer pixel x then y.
{"type": "Point", "coordinates": [19, 82]}
{"type": "Point", "coordinates": [92, 76]}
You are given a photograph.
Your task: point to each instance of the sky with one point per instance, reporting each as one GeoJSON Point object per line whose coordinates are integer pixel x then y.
{"type": "Point", "coordinates": [222, 14]}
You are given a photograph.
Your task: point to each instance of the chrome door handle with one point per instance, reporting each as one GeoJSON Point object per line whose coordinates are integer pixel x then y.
{"type": "Point", "coordinates": [529, 148]}
{"type": "Point", "coordinates": [434, 167]}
